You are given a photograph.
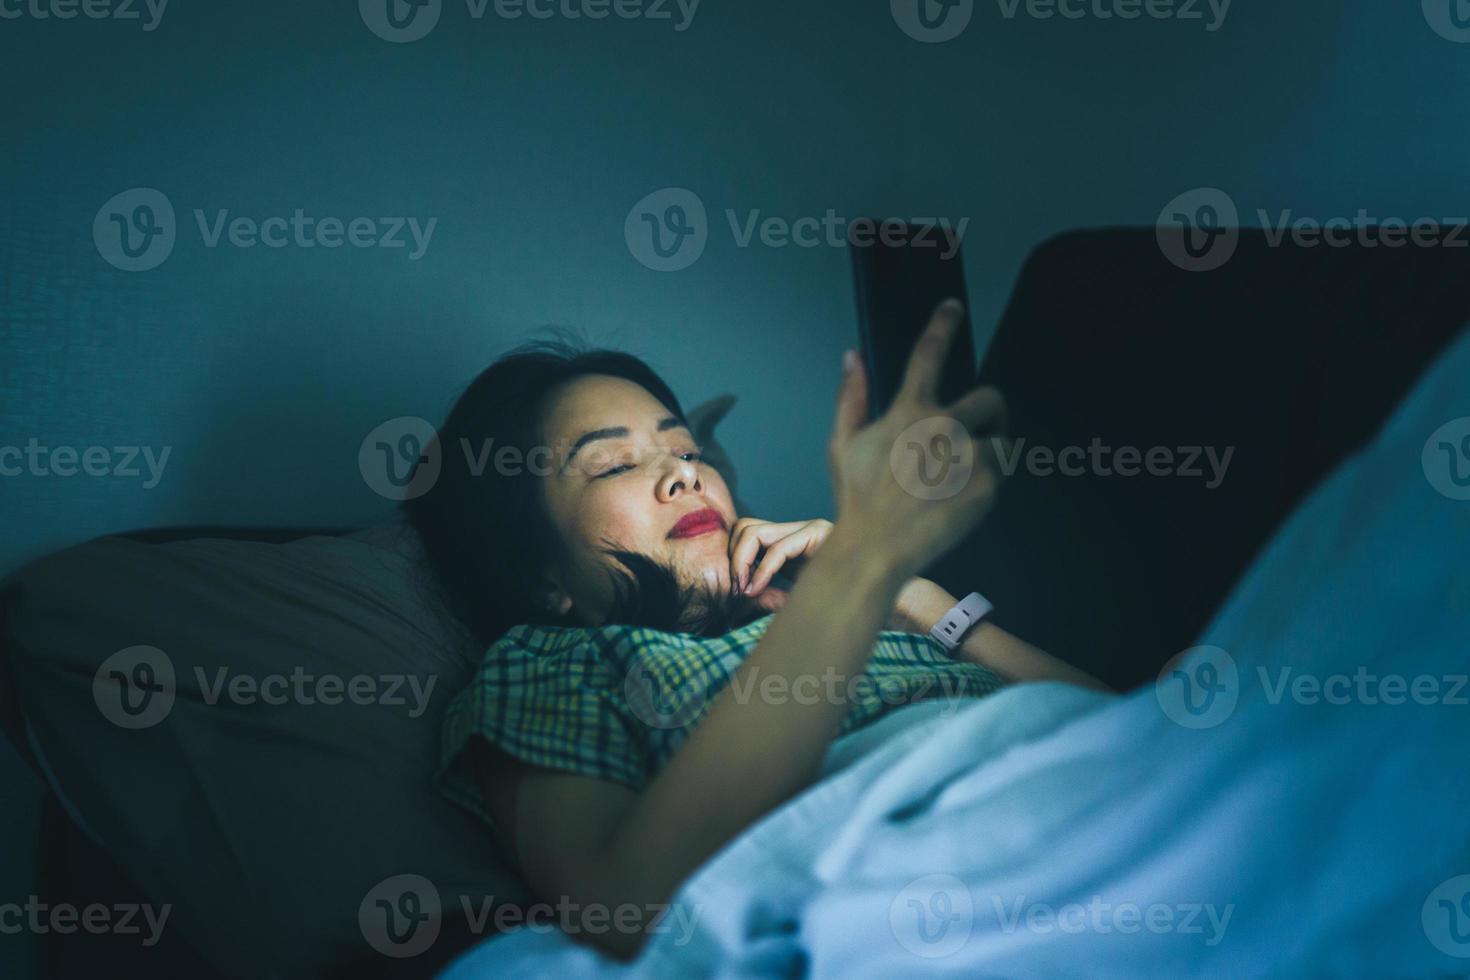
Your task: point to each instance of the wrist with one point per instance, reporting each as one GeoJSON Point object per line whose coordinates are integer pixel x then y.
{"type": "Point", "coordinates": [921, 603]}
{"type": "Point", "coordinates": [868, 569]}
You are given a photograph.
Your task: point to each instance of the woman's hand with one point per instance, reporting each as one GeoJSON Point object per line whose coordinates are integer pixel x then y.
{"type": "Point", "coordinates": [920, 602]}
{"type": "Point", "coordinates": [790, 541]}
{"type": "Point", "coordinates": [885, 487]}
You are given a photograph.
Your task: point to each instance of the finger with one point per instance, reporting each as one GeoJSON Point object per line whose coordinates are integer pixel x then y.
{"type": "Point", "coordinates": [777, 555]}
{"type": "Point", "coordinates": [852, 399]}
{"type": "Point", "coordinates": [921, 376]}
{"type": "Point", "coordinates": [771, 599]}
{"type": "Point", "coordinates": [982, 411]}
{"type": "Point", "coordinates": [738, 528]}
{"type": "Point", "coordinates": [753, 538]}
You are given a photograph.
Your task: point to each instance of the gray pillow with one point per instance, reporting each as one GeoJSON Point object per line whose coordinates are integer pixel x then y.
{"type": "Point", "coordinates": [266, 825]}
{"type": "Point", "coordinates": [272, 828]}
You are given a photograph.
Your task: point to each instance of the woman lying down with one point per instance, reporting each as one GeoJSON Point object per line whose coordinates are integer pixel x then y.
{"type": "Point", "coordinates": [639, 704]}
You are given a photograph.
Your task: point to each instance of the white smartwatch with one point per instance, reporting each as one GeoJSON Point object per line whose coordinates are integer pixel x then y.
{"type": "Point", "coordinates": [950, 630]}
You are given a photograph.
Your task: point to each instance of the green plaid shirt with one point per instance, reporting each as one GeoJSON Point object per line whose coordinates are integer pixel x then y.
{"type": "Point", "coordinates": [616, 702]}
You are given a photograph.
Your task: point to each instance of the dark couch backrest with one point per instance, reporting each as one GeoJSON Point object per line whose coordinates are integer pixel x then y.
{"type": "Point", "coordinates": [1291, 356]}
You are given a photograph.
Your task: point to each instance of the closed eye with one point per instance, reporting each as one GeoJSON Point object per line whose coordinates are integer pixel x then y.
{"type": "Point", "coordinates": [692, 455]}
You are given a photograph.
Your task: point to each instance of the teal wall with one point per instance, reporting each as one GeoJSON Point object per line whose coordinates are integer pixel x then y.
{"type": "Point", "coordinates": [529, 141]}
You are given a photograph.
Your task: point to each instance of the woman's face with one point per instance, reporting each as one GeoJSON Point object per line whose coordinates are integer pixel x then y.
{"type": "Point", "coordinates": [624, 473]}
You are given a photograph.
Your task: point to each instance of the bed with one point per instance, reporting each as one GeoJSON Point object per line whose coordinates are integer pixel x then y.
{"type": "Point", "coordinates": [1295, 357]}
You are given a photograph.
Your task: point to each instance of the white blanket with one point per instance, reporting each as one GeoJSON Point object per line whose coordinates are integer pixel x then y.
{"type": "Point", "coordinates": [1295, 800]}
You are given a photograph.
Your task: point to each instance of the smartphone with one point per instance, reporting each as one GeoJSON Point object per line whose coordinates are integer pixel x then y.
{"type": "Point", "coordinates": [901, 278]}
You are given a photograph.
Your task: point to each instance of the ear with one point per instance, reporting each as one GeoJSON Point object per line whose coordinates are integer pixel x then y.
{"type": "Point", "coordinates": [552, 597]}
{"type": "Point", "coordinates": [558, 603]}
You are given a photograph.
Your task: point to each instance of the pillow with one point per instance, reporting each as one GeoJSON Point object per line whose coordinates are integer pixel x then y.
{"type": "Point", "coordinates": [263, 814]}
{"type": "Point", "coordinates": [290, 772]}
{"type": "Point", "coordinates": [702, 421]}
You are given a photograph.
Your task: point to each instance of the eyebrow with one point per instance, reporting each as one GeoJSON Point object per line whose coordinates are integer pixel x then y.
{"type": "Point", "coordinates": [615, 432]}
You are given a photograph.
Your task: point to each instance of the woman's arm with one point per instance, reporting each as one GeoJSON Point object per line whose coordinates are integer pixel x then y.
{"type": "Point", "coordinates": [601, 845]}
{"type": "Point", "coordinates": [922, 603]}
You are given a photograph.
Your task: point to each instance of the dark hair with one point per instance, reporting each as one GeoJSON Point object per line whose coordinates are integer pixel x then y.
{"type": "Point", "coordinates": [488, 535]}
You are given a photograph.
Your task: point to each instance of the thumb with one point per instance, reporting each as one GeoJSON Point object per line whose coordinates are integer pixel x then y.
{"type": "Point", "coordinates": [852, 399]}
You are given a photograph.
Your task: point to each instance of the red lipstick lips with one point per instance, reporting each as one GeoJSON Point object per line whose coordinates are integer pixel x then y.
{"type": "Point", "coordinates": [698, 522]}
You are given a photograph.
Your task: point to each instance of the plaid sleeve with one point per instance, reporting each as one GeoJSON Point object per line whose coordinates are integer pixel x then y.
{"type": "Point", "coordinates": [546, 703]}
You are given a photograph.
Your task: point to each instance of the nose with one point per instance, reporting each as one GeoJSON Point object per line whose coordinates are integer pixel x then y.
{"type": "Point", "coordinates": [682, 476]}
